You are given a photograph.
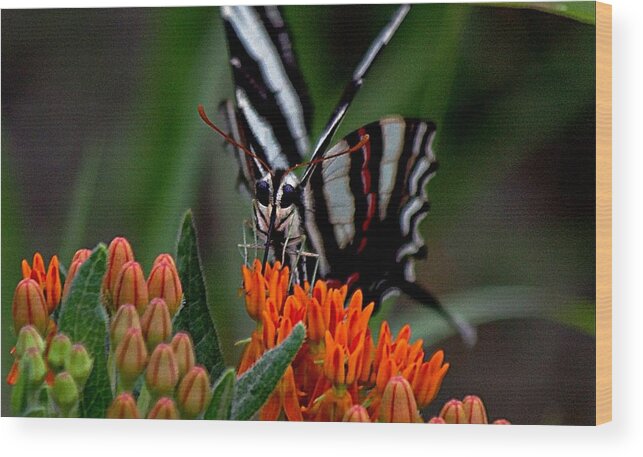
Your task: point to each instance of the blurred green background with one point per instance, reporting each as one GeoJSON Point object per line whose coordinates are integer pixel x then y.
{"type": "Point", "coordinates": [101, 137]}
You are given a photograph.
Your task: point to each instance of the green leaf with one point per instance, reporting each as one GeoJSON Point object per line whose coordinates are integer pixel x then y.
{"type": "Point", "coordinates": [579, 11]}
{"type": "Point", "coordinates": [84, 320]}
{"type": "Point", "coordinates": [255, 386]}
{"type": "Point", "coordinates": [219, 407]}
{"type": "Point", "coordinates": [194, 316]}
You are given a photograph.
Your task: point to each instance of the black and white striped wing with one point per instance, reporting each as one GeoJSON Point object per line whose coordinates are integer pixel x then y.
{"type": "Point", "coordinates": [364, 208]}
{"type": "Point", "coordinates": [273, 112]}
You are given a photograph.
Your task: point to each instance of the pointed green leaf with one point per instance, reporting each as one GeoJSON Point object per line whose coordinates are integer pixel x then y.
{"type": "Point", "coordinates": [84, 320]}
{"type": "Point", "coordinates": [219, 407]}
{"type": "Point", "coordinates": [194, 316]}
{"type": "Point", "coordinates": [254, 387]}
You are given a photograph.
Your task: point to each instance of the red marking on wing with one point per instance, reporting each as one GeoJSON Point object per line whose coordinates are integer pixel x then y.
{"type": "Point", "coordinates": [366, 187]}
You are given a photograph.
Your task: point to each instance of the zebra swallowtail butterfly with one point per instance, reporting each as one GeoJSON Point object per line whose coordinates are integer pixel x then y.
{"type": "Point", "coordinates": [359, 203]}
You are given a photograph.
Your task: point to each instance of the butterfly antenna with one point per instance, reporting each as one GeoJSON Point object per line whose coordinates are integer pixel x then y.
{"type": "Point", "coordinates": [355, 148]}
{"type": "Point", "coordinates": [231, 140]}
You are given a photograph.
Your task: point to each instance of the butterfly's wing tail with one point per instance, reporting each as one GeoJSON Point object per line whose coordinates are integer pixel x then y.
{"type": "Point", "coordinates": [466, 331]}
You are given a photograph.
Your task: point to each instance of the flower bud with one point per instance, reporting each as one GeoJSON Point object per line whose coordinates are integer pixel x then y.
{"type": "Point", "coordinates": [436, 420]}
{"type": "Point", "coordinates": [398, 403]}
{"type": "Point", "coordinates": [29, 338]}
{"type": "Point", "coordinates": [164, 258]}
{"type": "Point", "coordinates": [65, 392]}
{"type": "Point", "coordinates": [474, 410]}
{"type": "Point", "coordinates": [119, 253]}
{"type": "Point", "coordinates": [164, 283]}
{"type": "Point", "coordinates": [162, 373]}
{"type": "Point", "coordinates": [164, 409]}
{"type": "Point", "coordinates": [184, 352]}
{"type": "Point", "coordinates": [131, 357]}
{"type": "Point", "coordinates": [59, 350]}
{"type": "Point", "coordinates": [357, 413]}
{"type": "Point", "coordinates": [194, 394]}
{"type": "Point", "coordinates": [79, 364]}
{"type": "Point", "coordinates": [501, 422]}
{"type": "Point", "coordinates": [79, 257]}
{"type": "Point", "coordinates": [82, 255]}
{"type": "Point", "coordinates": [53, 287]}
{"type": "Point", "coordinates": [453, 412]}
{"type": "Point", "coordinates": [130, 287]}
{"type": "Point", "coordinates": [29, 307]}
{"type": "Point", "coordinates": [123, 407]}
{"type": "Point", "coordinates": [156, 323]}
{"type": "Point", "coordinates": [126, 318]}
{"type": "Point", "coordinates": [33, 365]}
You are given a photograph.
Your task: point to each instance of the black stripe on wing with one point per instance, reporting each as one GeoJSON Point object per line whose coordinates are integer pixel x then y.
{"type": "Point", "coordinates": [269, 87]}
{"type": "Point", "coordinates": [382, 188]}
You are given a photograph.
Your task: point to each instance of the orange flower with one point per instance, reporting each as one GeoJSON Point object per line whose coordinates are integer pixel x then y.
{"type": "Point", "coordinates": [49, 280]}
{"type": "Point", "coordinates": [340, 365]}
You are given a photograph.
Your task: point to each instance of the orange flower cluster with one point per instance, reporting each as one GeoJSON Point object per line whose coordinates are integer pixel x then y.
{"type": "Point", "coordinates": [35, 298]}
{"type": "Point", "coordinates": [340, 366]}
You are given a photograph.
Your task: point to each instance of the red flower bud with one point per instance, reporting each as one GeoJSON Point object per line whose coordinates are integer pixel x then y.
{"type": "Point", "coordinates": [82, 255]}
{"type": "Point", "coordinates": [119, 253]}
{"type": "Point", "coordinates": [164, 409]}
{"type": "Point", "coordinates": [53, 286]}
{"type": "Point", "coordinates": [29, 307]}
{"type": "Point", "coordinates": [156, 323]}
{"type": "Point", "coordinates": [162, 372]}
{"type": "Point", "coordinates": [194, 394]}
{"type": "Point", "coordinates": [79, 257]}
{"type": "Point", "coordinates": [474, 410]}
{"type": "Point", "coordinates": [126, 318]}
{"type": "Point", "coordinates": [436, 420]}
{"type": "Point", "coordinates": [501, 422]}
{"type": "Point", "coordinates": [130, 288]}
{"type": "Point", "coordinates": [398, 402]}
{"type": "Point", "coordinates": [453, 412]}
{"type": "Point", "coordinates": [123, 407]}
{"type": "Point", "coordinates": [163, 258]}
{"type": "Point", "coordinates": [184, 351]}
{"type": "Point", "coordinates": [357, 413]}
{"type": "Point", "coordinates": [164, 283]}
{"type": "Point", "coordinates": [131, 357]}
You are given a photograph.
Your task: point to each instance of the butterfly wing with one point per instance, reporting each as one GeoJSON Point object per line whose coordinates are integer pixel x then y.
{"type": "Point", "coordinates": [363, 209]}
{"type": "Point", "coordinates": [273, 112]}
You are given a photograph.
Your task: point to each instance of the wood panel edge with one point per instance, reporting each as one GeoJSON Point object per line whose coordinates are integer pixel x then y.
{"type": "Point", "coordinates": [603, 213]}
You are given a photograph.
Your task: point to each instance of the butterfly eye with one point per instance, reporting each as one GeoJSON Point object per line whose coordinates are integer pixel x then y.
{"type": "Point", "coordinates": [287, 196]}
{"type": "Point", "coordinates": [262, 192]}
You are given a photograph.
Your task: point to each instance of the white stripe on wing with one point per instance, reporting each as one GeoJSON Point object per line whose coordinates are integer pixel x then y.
{"type": "Point", "coordinates": [393, 144]}
{"type": "Point", "coordinates": [337, 192]}
{"type": "Point", "coordinates": [262, 132]}
{"type": "Point", "coordinates": [259, 46]}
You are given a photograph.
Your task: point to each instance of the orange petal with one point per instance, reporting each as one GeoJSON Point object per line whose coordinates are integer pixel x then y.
{"type": "Point", "coordinates": [26, 269]}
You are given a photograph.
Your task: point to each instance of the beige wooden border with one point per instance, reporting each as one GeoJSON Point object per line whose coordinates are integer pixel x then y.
{"type": "Point", "coordinates": [603, 213]}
